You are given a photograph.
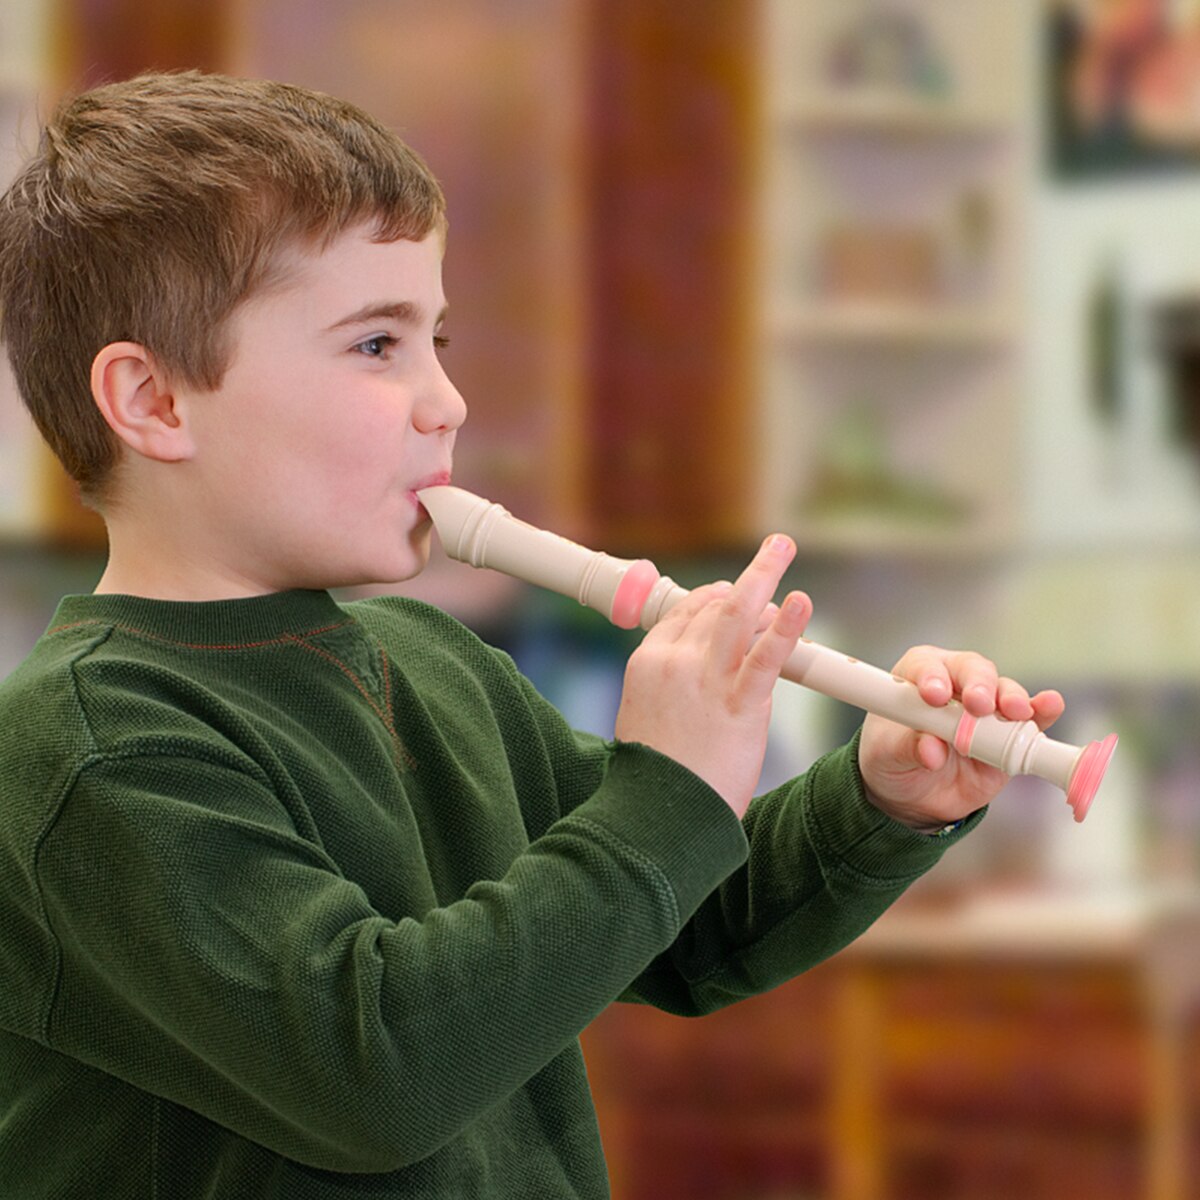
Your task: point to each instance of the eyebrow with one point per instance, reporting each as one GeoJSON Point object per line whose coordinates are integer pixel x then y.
{"type": "Point", "coordinates": [404, 312]}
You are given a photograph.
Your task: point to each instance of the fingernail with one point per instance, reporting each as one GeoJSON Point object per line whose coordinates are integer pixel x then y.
{"type": "Point", "coordinates": [793, 606]}
{"type": "Point", "coordinates": [778, 542]}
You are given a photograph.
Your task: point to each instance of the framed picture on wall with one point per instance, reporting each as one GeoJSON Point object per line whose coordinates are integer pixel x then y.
{"type": "Point", "coordinates": [1123, 86]}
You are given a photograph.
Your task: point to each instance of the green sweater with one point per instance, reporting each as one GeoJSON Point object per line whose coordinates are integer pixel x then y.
{"type": "Point", "coordinates": [303, 900]}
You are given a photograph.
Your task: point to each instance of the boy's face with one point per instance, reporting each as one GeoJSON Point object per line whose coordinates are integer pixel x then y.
{"type": "Point", "coordinates": [335, 409]}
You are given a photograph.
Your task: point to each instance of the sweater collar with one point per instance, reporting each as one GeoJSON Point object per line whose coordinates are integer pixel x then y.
{"type": "Point", "coordinates": [207, 622]}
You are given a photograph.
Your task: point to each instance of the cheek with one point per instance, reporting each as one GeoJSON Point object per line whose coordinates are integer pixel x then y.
{"type": "Point", "coordinates": [361, 463]}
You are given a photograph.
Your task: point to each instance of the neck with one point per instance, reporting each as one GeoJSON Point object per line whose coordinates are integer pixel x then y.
{"type": "Point", "coordinates": [163, 558]}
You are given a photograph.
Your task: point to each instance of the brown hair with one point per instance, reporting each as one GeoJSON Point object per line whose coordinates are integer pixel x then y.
{"type": "Point", "coordinates": [154, 207]}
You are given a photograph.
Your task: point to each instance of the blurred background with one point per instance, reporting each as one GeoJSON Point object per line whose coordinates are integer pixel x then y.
{"type": "Point", "coordinates": [917, 281]}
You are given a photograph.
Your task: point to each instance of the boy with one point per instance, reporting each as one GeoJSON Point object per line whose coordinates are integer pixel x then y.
{"type": "Point", "coordinates": [301, 899]}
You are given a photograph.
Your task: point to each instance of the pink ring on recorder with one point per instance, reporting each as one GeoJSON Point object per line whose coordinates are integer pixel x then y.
{"type": "Point", "coordinates": [632, 593]}
{"type": "Point", "coordinates": [964, 733]}
{"type": "Point", "coordinates": [1088, 772]}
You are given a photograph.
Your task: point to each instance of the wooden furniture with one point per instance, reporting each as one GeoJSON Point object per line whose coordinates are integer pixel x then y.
{"type": "Point", "coordinates": [998, 1050]}
{"type": "Point", "coordinates": [1031, 1048]}
{"type": "Point", "coordinates": [596, 156]}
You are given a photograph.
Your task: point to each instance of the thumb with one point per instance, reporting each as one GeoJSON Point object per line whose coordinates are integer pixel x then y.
{"type": "Point", "coordinates": [930, 752]}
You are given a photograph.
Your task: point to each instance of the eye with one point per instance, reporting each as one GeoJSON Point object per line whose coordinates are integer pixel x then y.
{"type": "Point", "coordinates": [440, 341]}
{"type": "Point", "coordinates": [376, 346]}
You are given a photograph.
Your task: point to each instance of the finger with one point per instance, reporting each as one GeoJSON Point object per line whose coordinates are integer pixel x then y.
{"type": "Point", "coordinates": [760, 667]}
{"type": "Point", "coordinates": [767, 615]}
{"type": "Point", "coordinates": [751, 593]}
{"type": "Point", "coordinates": [680, 617]}
{"type": "Point", "coordinates": [926, 667]}
{"type": "Point", "coordinates": [1012, 701]}
{"type": "Point", "coordinates": [975, 680]}
{"type": "Point", "coordinates": [931, 752]}
{"type": "Point", "coordinates": [941, 674]}
{"type": "Point", "coordinates": [1047, 707]}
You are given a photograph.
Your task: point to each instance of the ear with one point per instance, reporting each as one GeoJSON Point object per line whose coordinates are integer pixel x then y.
{"type": "Point", "coordinates": [141, 408]}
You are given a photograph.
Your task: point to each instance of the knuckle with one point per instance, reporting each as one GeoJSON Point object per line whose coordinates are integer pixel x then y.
{"type": "Point", "coordinates": [914, 656]}
{"type": "Point", "coordinates": [735, 604]}
{"type": "Point", "coordinates": [974, 663]}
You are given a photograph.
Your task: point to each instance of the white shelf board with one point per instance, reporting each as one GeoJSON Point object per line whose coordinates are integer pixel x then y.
{"type": "Point", "coordinates": [862, 322]}
{"type": "Point", "coordinates": [897, 113]}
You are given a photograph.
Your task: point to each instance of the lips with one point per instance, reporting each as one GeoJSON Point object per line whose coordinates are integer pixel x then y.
{"type": "Point", "coordinates": [438, 479]}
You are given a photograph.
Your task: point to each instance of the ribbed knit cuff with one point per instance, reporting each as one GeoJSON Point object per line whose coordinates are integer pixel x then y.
{"type": "Point", "coordinates": [863, 837]}
{"type": "Point", "coordinates": [667, 813]}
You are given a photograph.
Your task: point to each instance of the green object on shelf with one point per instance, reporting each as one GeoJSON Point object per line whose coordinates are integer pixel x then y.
{"type": "Point", "coordinates": [856, 480]}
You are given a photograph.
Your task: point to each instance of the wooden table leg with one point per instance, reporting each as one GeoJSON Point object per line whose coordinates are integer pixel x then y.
{"type": "Point", "coordinates": [858, 1158]}
{"type": "Point", "coordinates": [1172, 1001]}
{"type": "Point", "coordinates": [1166, 1114]}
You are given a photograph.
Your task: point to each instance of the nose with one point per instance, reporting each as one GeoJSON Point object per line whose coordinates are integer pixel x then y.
{"type": "Point", "coordinates": [440, 407]}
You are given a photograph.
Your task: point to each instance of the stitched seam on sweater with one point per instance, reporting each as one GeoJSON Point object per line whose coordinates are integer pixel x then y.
{"type": "Point", "coordinates": [36, 857]}
{"type": "Point", "coordinates": [839, 868]}
{"type": "Point", "coordinates": [98, 758]}
{"type": "Point", "coordinates": [52, 816]}
{"type": "Point", "coordinates": [644, 860]}
{"type": "Point", "coordinates": [403, 757]}
{"type": "Point", "coordinates": [835, 861]}
{"type": "Point", "coordinates": [781, 927]}
{"type": "Point", "coordinates": [155, 1133]}
{"type": "Point", "coordinates": [834, 868]}
{"type": "Point", "coordinates": [409, 760]}
{"type": "Point", "coordinates": [282, 640]}
{"type": "Point", "coordinates": [387, 678]}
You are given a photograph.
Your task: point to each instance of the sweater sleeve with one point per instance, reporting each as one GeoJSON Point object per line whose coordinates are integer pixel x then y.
{"type": "Point", "coordinates": [824, 863]}
{"type": "Point", "coordinates": [211, 956]}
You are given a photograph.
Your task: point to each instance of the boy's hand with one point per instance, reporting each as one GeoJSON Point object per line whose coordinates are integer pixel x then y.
{"type": "Point", "coordinates": [917, 778]}
{"type": "Point", "coordinates": [699, 686]}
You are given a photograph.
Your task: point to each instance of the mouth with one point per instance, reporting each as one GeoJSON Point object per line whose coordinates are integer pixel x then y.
{"type": "Point", "coordinates": [438, 479]}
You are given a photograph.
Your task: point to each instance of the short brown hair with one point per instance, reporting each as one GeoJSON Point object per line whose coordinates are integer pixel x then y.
{"type": "Point", "coordinates": [154, 207]}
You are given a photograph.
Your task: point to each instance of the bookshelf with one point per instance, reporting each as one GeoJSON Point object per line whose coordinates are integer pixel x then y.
{"type": "Point", "coordinates": [894, 161]}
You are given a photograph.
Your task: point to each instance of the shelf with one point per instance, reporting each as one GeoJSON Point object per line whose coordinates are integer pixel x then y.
{"type": "Point", "coordinates": [883, 538]}
{"type": "Point", "coordinates": [891, 113]}
{"type": "Point", "coordinates": [1039, 926]}
{"type": "Point", "coordinates": [893, 176]}
{"type": "Point", "coordinates": [892, 324]}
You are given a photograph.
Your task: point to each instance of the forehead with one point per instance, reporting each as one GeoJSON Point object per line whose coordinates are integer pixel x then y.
{"type": "Point", "coordinates": [355, 270]}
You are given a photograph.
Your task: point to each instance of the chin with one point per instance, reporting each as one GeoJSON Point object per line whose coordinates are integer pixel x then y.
{"type": "Point", "coordinates": [413, 559]}
{"type": "Point", "coordinates": [370, 565]}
